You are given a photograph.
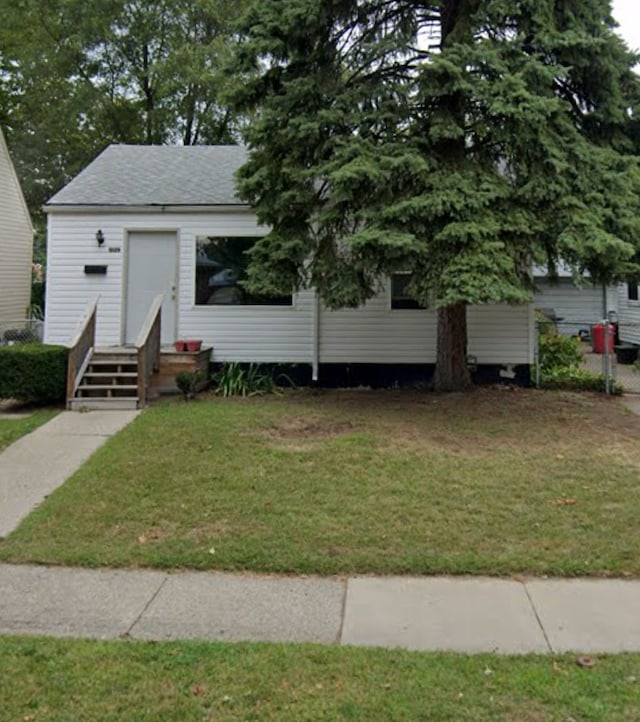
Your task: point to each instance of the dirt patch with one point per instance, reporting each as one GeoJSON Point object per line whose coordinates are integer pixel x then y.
{"type": "Point", "coordinates": [310, 428]}
{"type": "Point", "coordinates": [477, 423]}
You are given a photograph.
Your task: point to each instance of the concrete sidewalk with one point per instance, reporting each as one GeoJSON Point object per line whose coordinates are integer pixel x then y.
{"type": "Point", "coordinates": [36, 464]}
{"type": "Point", "coordinates": [435, 613]}
{"type": "Point", "coordinates": [440, 613]}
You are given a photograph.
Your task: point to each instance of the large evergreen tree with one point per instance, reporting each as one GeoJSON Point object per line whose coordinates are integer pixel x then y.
{"type": "Point", "coordinates": [76, 75]}
{"type": "Point", "coordinates": [460, 140]}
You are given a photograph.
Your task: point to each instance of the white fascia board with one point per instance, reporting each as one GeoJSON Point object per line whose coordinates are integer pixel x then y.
{"type": "Point", "coordinates": [240, 207]}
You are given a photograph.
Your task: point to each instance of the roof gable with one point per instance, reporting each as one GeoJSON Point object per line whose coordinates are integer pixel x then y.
{"type": "Point", "coordinates": [147, 175]}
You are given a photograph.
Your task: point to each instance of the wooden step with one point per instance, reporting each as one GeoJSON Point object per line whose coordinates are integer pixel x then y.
{"type": "Point", "coordinates": [114, 360]}
{"type": "Point", "coordinates": [93, 404]}
{"type": "Point", "coordinates": [108, 387]}
{"type": "Point", "coordinates": [111, 374]}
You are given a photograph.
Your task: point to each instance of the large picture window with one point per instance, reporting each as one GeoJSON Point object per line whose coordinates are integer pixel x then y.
{"type": "Point", "coordinates": [221, 267]}
{"type": "Point", "coordinates": [399, 296]}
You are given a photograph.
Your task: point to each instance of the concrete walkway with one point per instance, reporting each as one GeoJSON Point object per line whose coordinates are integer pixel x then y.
{"type": "Point", "coordinates": [437, 613]}
{"type": "Point", "coordinates": [36, 464]}
{"type": "Point", "coordinates": [434, 613]}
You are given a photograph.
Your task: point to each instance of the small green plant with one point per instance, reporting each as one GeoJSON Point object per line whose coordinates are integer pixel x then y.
{"type": "Point", "coordinates": [636, 366]}
{"type": "Point", "coordinates": [235, 379]}
{"type": "Point", "coordinates": [188, 382]}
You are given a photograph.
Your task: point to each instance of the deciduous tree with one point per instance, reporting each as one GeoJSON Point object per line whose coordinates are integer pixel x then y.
{"type": "Point", "coordinates": [76, 75]}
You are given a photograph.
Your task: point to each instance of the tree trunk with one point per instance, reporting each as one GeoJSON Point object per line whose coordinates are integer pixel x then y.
{"type": "Point", "coordinates": [452, 373]}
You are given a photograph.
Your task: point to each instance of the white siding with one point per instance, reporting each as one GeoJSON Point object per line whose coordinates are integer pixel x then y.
{"type": "Point", "coordinates": [379, 334]}
{"type": "Point", "coordinates": [629, 316]}
{"type": "Point", "coordinates": [242, 333]}
{"type": "Point", "coordinates": [372, 334]}
{"type": "Point", "coordinates": [577, 307]}
{"type": "Point", "coordinates": [501, 334]}
{"type": "Point", "coordinates": [16, 237]}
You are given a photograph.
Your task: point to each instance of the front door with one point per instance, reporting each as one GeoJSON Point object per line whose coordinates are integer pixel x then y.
{"type": "Point", "coordinates": [151, 270]}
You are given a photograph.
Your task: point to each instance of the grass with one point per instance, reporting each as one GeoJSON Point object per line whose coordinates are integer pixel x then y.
{"type": "Point", "coordinates": [13, 429]}
{"type": "Point", "coordinates": [495, 482]}
{"type": "Point", "coordinates": [46, 680]}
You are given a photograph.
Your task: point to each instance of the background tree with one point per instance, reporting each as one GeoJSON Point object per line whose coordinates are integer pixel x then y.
{"type": "Point", "coordinates": [76, 75]}
{"type": "Point", "coordinates": [457, 139]}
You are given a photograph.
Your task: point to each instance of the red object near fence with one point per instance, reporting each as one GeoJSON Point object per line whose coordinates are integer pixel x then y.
{"type": "Point", "coordinates": [598, 333]}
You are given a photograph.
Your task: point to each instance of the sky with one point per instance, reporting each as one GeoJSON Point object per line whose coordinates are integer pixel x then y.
{"type": "Point", "coordinates": [627, 14]}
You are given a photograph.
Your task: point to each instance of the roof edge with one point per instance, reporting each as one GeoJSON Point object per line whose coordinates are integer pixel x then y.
{"type": "Point", "coordinates": [168, 208]}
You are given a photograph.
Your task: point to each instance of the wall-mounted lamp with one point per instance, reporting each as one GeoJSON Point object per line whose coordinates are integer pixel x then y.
{"type": "Point", "coordinates": [100, 237]}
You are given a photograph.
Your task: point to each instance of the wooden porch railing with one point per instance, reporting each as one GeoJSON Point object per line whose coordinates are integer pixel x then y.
{"type": "Point", "coordinates": [80, 349]}
{"type": "Point", "coordinates": [148, 348]}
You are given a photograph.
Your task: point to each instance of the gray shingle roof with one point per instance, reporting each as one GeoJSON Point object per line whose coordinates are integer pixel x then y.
{"type": "Point", "coordinates": [149, 175]}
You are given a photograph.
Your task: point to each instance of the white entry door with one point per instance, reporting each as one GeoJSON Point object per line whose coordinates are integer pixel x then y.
{"type": "Point", "coordinates": [151, 271]}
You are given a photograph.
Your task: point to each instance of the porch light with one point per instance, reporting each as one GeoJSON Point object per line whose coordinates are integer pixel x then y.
{"type": "Point", "coordinates": [100, 237]}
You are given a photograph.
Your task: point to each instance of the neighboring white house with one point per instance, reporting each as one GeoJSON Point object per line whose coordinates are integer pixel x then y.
{"type": "Point", "coordinates": [143, 220]}
{"type": "Point", "coordinates": [16, 244]}
{"type": "Point", "coordinates": [629, 312]}
{"type": "Point", "coordinates": [577, 308]}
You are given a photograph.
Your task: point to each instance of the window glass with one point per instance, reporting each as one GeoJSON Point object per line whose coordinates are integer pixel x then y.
{"type": "Point", "coordinates": [399, 295]}
{"type": "Point", "coordinates": [221, 266]}
{"type": "Point", "coordinates": [632, 290]}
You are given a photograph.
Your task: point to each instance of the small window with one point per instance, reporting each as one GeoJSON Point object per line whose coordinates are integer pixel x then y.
{"type": "Point", "coordinates": [221, 267]}
{"type": "Point", "coordinates": [399, 296]}
{"type": "Point", "coordinates": [632, 290]}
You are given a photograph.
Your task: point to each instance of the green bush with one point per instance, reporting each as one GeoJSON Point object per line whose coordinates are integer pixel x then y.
{"type": "Point", "coordinates": [188, 382]}
{"type": "Point", "coordinates": [575, 379]}
{"type": "Point", "coordinates": [234, 379]}
{"type": "Point", "coordinates": [38, 295]}
{"type": "Point", "coordinates": [557, 351]}
{"type": "Point", "coordinates": [33, 373]}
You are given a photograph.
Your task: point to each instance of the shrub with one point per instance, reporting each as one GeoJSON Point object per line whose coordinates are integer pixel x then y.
{"type": "Point", "coordinates": [575, 379]}
{"type": "Point", "coordinates": [234, 379]}
{"type": "Point", "coordinates": [188, 382]}
{"type": "Point", "coordinates": [33, 373]}
{"type": "Point", "coordinates": [557, 351]}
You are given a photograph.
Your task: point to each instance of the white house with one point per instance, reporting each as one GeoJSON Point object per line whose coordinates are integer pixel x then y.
{"type": "Point", "coordinates": [577, 308]}
{"type": "Point", "coordinates": [16, 241]}
{"type": "Point", "coordinates": [145, 220]}
{"type": "Point", "coordinates": [629, 312]}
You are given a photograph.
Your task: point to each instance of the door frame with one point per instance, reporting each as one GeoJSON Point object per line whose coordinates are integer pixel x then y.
{"type": "Point", "coordinates": [127, 232]}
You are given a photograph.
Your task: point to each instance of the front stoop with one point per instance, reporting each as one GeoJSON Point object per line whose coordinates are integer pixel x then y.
{"type": "Point", "coordinates": [173, 362]}
{"type": "Point", "coordinates": [110, 381]}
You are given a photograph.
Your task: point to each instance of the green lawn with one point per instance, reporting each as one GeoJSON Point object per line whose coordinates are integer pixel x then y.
{"type": "Point", "coordinates": [46, 680]}
{"type": "Point", "coordinates": [12, 429]}
{"type": "Point", "coordinates": [495, 482]}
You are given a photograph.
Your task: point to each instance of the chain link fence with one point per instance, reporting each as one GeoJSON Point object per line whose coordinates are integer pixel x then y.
{"type": "Point", "coordinates": [25, 330]}
{"type": "Point", "coordinates": [609, 349]}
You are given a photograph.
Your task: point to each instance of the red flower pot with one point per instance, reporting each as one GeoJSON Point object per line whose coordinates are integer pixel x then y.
{"type": "Point", "coordinates": [193, 345]}
{"type": "Point", "coordinates": [180, 346]}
